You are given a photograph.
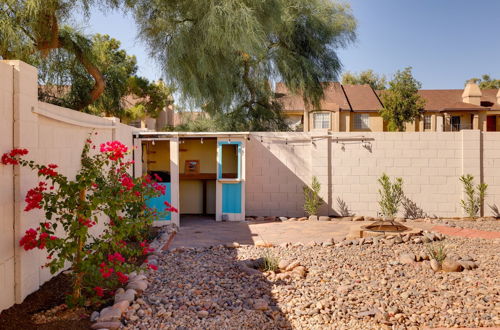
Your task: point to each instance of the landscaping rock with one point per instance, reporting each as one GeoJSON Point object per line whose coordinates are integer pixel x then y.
{"type": "Point", "coordinates": [450, 265]}
{"type": "Point", "coordinates": [292, 265]}
{"type": "Point", "coordinates": [283, 264]}
{"type": "Point", "coordinates": [283, 218]}
{"type": "Point", "coordinates": [407, 258]}
{"type": "Point", "coordinates": [109, 314]}
{"type": "Point", "coordinates": [233, 245]}
{"type": "Point", "coordinates": [122, 305]}
{"type": "Point", "coordinates": [263, 244]}
{"type": "Point", "coordinates": [128, 295]}
{"type": "Point", "coordinates": [358, 218]}
{"type": "Point", "coordinates": [137, 285]}
{"type": "Point", "coordinates": [324, 218]}
{"type": "Point", "coordinates": [94, 316]}
{"type": "Point", "coordinates": [260, 305]}
{"type": "Point", "coordinates": [106, 325]}
{"type": "Point", "coordinates": [313, 218]}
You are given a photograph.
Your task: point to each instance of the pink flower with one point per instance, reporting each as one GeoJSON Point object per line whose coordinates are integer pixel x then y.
{"type": "Point", "coordinates": [153, 267]}
{"type": "Point", "coordinates": [116, 257]}
{"type": "Point", "coordinates": [115, 150]}
{"type": "Point", "coordinates": [29, 241]}
{"type": "Point", "coordinates": [34, 197]}
{"type": "Point", "coordinates": [127, 182]}
{"type": "Point", "coordinates": [170, 208]}
{"type": "Point", "coordinates": [122, 277]}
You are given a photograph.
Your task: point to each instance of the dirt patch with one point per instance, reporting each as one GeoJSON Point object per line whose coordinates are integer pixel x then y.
{"type": "Point", "coordinates": [50, 295]}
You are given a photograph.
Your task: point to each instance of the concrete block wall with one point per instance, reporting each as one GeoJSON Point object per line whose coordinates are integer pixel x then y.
{"type": "Point", "coordinates": [52, 135]}
{"type": "Point", "coordinates": [348, 166]}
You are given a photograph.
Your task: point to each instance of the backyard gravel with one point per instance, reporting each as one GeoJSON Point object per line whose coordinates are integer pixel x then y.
{"type": "Point", "coordinates": [346, 287]}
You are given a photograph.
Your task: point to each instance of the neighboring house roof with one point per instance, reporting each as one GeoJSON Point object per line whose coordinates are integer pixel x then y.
{"type": "Point", "coordinates": [334, 98]}
{"type": "Point", "coordinates": [362, 98]}
{"type": "Point", "coordinates": [451, 99]}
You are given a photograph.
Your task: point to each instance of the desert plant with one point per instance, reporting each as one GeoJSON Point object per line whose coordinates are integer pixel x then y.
{"type": "Point", "coordinates": [473, 204]}
{"type": "Point", "coordinates": [411, 209]}
{"type": "Point", "coordinates": [312, 201]}
{"type": "Point", "coordinates": [269, 261]}
{"type": "Point", "coordinates": [344, 208]}
{"type": "Point", "coordinates": [391, 194]}
{"type": "Point", "coordinates": [437, 251]}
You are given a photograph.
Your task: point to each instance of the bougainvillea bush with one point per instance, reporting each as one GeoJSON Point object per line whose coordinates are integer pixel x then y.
{"type": "Point", "coordinates": [102, 190]}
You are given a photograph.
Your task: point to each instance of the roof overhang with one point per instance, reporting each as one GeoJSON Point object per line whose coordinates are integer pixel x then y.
{"type": "Point", "coordinates": [174, 135]}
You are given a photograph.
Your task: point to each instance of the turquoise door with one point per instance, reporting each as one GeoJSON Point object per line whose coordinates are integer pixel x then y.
{"type": "Point", "coordinates": [231, 197]}
{"type": "Point", "coordinates": [159, 202]}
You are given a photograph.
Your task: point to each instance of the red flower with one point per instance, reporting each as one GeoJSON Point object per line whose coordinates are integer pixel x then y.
{"type": "Point", "coordinates": [52, 166]}
{"type": "Point", "coordinates": [99, 291]}
{"type": "Point", "coordinates": [86, 222]}
{"type": "Point", "coordinates": [34, 197]}
{"type": "Point", "coordinates": [47, 171]}
{"type": "Point", "coordinates": [29, 241]}
{"type": "Point", "coordinates": [105, 271]}
{"type": "Point", "coordinates": [9, 158]}
{"type": "Point", "coordinates": [127, 182]}
{"type": "Point", "coordinates": [157, 177]}
{"type": "Point", "coordinates": [115, 149]}
{"type": "Point", "coordinates": [116, 257]}
{"type": "Point", "coordinates": [122, 277]}
{"type": "Point", "coordinates": [170, 208]}
{"type": "Point", "coordinates": [153, 267]}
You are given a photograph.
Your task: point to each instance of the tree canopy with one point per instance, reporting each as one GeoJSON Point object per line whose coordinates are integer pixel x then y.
{"type": "Point", "coordinates": [376, 81]}
{"type": "Point", "coordinates": [222, 55]}
{"type": "Point", "coordinates": [401, 102]}
{"type": "Point", "coordinates": [37, 27]}
{"type": "Point", "coordinates": [486, 82]}
{"type": "Point", "coordinates": [63, 81]}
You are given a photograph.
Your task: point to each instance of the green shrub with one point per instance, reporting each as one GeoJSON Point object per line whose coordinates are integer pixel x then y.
{"type": "Point", "coordinates": [270, 261]}
{"type": "Point", "coordinates": [391, 195]}
{"type": "Point", "coordinates": [437, 251]}
{"type": "Point", "coordinates": [473, 204]}
{"type": "Point", "coordinates": [312, 201]}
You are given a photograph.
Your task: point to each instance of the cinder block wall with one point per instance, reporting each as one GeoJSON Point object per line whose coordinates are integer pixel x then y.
{"type": "Point", "coordinates": [52, 135]}
{"type": "Point", "coordinates": [430, 164]}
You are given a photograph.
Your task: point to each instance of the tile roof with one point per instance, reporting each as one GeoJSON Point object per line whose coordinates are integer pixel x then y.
{"type": "Point", "coordinates": [362, 98]}
{"type": "Point", "coordinates": [334, 98]}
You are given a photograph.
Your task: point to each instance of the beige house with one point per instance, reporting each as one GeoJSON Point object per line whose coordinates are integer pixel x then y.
{"type": "Point", "coordinates": [355, 108]}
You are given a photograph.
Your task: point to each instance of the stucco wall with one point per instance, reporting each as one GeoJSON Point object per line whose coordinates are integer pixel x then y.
{"type": "Point", "coordinates": [430, 164]}
{"type": "Point", "coordinates": [52, 135]}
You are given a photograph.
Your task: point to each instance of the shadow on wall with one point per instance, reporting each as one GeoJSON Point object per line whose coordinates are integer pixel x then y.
{"type": "Point", "coordinates": [277, 170]}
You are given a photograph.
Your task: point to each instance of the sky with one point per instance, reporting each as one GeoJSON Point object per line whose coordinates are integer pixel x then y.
{"type": "Point", "coordinates": [445, 41]}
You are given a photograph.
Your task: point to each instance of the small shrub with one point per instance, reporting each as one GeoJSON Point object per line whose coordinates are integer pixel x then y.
{"type": "Point", "coordinates": [391, 195]}
{"type": "Point", "coordinates": [437, 251]}
{"type": "Point", "coordinates": [344, 208]}
{"type": "Point", "coordinates": [473, 204]}
{"type": "Point", "coordinates": [270, 261]}
{"type": "Point", "coordinates": [312, 201]}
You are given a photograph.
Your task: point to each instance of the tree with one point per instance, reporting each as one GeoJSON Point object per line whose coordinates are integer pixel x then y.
{"type": "Point", "coordinates": [36, 27]}
{"type": "Point", "coordinates": [376, 81]}
{"type": "Point", "coordinates": [222, 54]}
{"type": "Point", "coordinates": [485, 82]}
{"type": "Point", "coordinates": [401, 102]}
{"type": "Point", "coordinates": [63, 81]}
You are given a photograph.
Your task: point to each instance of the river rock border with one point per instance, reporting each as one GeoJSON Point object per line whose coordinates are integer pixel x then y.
{"type": "Point", "coordinates": [110, 317]}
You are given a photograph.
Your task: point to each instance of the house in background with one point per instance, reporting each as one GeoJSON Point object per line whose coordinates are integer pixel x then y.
{"type": "Point", "coordinates": [355, 108]}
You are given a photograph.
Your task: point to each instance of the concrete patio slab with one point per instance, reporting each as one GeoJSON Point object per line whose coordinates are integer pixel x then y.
{"type": "Point", "coordinates": [202, 232]}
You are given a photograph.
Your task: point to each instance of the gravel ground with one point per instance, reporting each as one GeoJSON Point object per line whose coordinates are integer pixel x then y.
{"type": "Point", "coordinates": [346, 287]}
{"type": "Point", "coordinates": [488, 225]}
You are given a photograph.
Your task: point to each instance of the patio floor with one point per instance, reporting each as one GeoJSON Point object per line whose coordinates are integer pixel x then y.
{"type": "Point", "coordinates": [197, 231]}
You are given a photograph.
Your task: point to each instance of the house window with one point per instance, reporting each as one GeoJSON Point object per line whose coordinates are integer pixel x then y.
{"type": "Point", "coordinates": [229, 160]}
{"type": "Point", "coordinates": [321, 120]}
{"type": "Point", "coordinates": [361, 121]}
{"type": "Point", "coordinates": [427, 122]}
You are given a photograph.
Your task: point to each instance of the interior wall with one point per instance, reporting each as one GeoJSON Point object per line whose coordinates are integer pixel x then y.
{"type": "Point", "coordinates": [159, 153]}
{"type": "Point", "coordinates": [205, 153]}
{"type": "Point", "coordinates": [191, 197]}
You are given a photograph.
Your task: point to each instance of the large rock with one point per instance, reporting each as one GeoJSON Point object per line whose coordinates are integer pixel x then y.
{"type": "Point", "coordinates": [313, 218]}
{"type": "Point", "coordinates": [138, 285]}
{"type": "Point", "coordinates": [358, 218]}
{"type": "Point", "coordinates": [324, 218]}
{"type": "Point", "coordinates": [128, 295]}
{"type": "Point", "coordinates": [450, 265]}
{"type": "Point", "coordinates": [110, 314]}
{"type": "Point", "coordinates": [283, 264]}
{"type": "Point", "coordinates": [263, 244]}
{"type": "Point", "coordinates": [407, 258]}
{"type": "Point", "coordinates": [435, 265]}
{"type": "Point", "coordinates": [106, 325]}
{"type": "Point", "coordinates": [260, 305]}
{"type": "Point", "coordinates": [292, 265]}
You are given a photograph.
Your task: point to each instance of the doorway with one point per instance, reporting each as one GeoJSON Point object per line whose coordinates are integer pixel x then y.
{"type": "Point", "coordinates": [455, 123]}
{"type": "Point", "coordinates": [491, 123]}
